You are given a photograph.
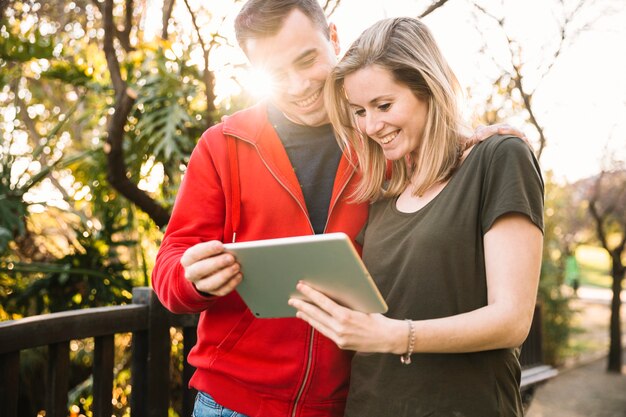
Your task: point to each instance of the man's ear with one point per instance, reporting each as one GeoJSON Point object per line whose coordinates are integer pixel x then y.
{"type": "Point", "coordinates": [334, 37]}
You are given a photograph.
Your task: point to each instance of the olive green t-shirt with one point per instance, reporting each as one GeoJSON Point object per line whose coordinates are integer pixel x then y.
{"type": "Point", "coordinates": [430, 264]}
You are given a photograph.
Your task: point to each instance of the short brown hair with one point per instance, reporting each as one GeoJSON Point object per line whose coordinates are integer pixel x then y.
{"type": "Point", "coordinates": [261, 18]}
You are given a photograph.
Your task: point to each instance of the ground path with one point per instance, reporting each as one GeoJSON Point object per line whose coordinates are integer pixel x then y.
{"type": "Point", "coordinates": [583, 388]}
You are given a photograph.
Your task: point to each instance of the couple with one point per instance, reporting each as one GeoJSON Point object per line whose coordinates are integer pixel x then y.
{"type": "Point", "coordinates": [452, 236]}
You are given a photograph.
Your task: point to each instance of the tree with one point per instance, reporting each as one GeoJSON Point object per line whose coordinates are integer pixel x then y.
{"type": "Point", "coordinates": [565, 225]}
{"type": "Point", "coordinates": [607, 207]}
{"type": "Point", "coordinates": [521, 71]}
{"type": "Point", "coordinates": [520, 77]}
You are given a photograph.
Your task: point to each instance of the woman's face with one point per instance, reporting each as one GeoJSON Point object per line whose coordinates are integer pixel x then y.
{"type": "Point", "coordinates": [387, 111]}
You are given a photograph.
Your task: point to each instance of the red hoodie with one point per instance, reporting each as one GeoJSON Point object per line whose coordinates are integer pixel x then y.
{"type": "Point", "coordinates": [259, 367]}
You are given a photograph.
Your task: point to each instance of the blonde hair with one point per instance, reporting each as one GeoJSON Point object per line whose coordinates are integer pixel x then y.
{"type": "Point", "coordinates": [405, 47]}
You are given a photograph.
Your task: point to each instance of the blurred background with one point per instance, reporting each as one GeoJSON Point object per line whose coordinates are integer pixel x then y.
{"type": "Point", "coordinates": [102, 101]}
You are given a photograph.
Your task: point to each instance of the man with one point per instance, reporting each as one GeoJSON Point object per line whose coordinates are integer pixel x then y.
{"type": "Point", "coordinates": [273, 170]}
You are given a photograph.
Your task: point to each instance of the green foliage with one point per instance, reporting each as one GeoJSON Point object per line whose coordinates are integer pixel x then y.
{"type": "Point", "coordinates": [556, 313]}
{"type": "Point", "coordinates": [88, 278]}
{"type": "Point", "coordinates": [70, 73]}
{"type": "Point", "coordinates": [165, 121]}
{"type": "Point", "coordinates": [25, 47]}
{"type": "Point", "coordinates": [12, 213]}
{"type": "Point", "coordinates": [13, 186]}
{"type": "Point", "coordinates": [561, 232]}
{"type": "Point", "coordinates": [595, 266]}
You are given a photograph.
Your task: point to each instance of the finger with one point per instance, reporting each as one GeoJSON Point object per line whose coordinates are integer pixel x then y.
{"type": "Point", "coordinates": [321, 300]}
{"type": "Point", "coordinates": [210, 266]}
{"type": "Point", "coordinates": [311, 310]}
{"type": "Point", "coordinates": [315, 314]}
{"type": "Point", "coordinates": [222, 282]}
{"type": "Point", "coordinates": [477, 132]}
{"type": "Point", "coordinates": [201, 251]}
{"type": "Point", "coordinates": [469, 142]}
{"type": "Point", "coordinates": [325, 311]}
{"type": "Point", "coordinates": [320, 327]}
{"type": "Point", "coordinates": [312, 314]}
{"type": "Point", "coordinates": [506, 129]}
{"type": "Point", "coordinates": [230, 285]}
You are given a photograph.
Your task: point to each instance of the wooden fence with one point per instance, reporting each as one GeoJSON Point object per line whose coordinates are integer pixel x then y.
{"type": "Point", "coordinates": [149, 322]}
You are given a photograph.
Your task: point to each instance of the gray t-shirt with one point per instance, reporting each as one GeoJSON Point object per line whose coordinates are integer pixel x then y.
{"type": "Point", "coordinates": [314, 155]}
{"type": "Point", "coordinates": [430, 264]}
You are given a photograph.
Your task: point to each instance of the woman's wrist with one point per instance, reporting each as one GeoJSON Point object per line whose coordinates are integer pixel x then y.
{"type": "Point", "coordinates": [399, 338]}
{"type": "Point", "coordinates": [405, 358]}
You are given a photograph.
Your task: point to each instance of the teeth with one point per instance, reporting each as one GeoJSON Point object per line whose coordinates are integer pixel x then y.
{"type": "Point", "coordinates": [388, 138]}
{"type": "Point", "coordinates": [308, 101]}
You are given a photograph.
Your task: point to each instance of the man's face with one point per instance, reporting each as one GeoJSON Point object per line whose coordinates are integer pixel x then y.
{"type": "Point", "coordinates": [298, 58]}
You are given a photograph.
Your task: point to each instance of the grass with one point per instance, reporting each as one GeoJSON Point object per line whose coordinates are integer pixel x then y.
{"type": "Point", "coordinates": [595, 266]}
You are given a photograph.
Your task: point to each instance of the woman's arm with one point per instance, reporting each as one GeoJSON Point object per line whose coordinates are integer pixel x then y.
{"type": "Point", "coordinates": [513, 247]}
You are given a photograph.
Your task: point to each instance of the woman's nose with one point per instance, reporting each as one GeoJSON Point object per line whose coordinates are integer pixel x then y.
{"type": "Point", "coordinates": [373, 125]}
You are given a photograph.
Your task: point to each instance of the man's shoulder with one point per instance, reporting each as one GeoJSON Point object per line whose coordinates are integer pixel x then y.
{"type": "Point", "coordinates": [245, 124]}
{"type": "Point", "coordinates": [250, 118]}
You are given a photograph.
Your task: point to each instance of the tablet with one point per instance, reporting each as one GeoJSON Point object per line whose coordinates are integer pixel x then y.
{"type": "Point", "coordinates": [328, 262]}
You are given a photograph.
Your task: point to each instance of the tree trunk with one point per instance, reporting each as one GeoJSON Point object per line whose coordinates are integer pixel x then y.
{"type": "Point", "coordinates": [124, 99]}
{"type": "Point", "coordinates": [116, 165]}
{"type": "Point", "coordinates": [615, 347]}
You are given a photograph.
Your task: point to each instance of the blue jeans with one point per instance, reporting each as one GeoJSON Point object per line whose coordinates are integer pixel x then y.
{"type": "Point", "coordinates": [205, 406]}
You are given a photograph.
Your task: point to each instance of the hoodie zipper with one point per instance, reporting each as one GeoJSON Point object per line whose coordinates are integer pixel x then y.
{"type": "Point", "coordinates": [277, 179]}
{"type": "Point", "coordinates": [309, 361]}
{"type": "Point", "coordinates": [334, 203]}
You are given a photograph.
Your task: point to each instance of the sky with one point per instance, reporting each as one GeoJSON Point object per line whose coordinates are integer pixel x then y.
{"type": "Point", "coordinates": [581, 103]}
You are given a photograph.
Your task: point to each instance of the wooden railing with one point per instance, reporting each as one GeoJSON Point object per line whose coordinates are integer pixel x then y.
{"type": "Point", "coordinates": [149, 322]}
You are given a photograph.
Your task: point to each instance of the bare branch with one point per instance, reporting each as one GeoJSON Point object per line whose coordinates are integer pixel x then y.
{"type": "Point", "coordinates": [437, 4]}
{"type": "Point", "coordinates": [4, 4]}
{"type": "Point", "coordinates": [565, 39]}
{"type": "Point", "coordinates": [518, 78]}
{"type": "Point", "coordinates": [119, 85]}
{"type": "Point", "coordinates": [195, 25]}
{"type": "Point", "coordinates": [168, 7]}
{"type": "Point", "coordinates": [98, 5]}
{"type": "Point", "coordinates": [598, 221]}
{"type": "Point", "coordinates": [128, 23]}
{"type": "Point", "coordinates": [123, 36]}
{"type": "Point", "coordinates": [527, 99]}
{"type": "Point", "coordinates": [327, 5]}
{"type": "Point", "coordinates": [484, 47]}
{"type": "Point", "coordinates": [208, 77]}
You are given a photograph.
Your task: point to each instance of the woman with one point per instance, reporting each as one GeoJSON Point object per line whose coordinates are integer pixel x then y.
{"type": "Point", "coordinates": [453, 239]}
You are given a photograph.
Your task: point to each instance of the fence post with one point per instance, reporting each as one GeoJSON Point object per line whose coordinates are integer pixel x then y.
{"type": "Point", "coordinates": [103, 362]}
{"type": "Point", "coordinates": [9, 388]}
{"type": "Point", "coordinates": [154, 371]}
{"type": "Point", "coordinates": [189, 394]}
{"type": "Point", "coordinates": [58, 379]}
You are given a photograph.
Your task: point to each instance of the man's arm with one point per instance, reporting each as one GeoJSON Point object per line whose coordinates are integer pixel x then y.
{"type": "Point", "coordinates": [191, 250]}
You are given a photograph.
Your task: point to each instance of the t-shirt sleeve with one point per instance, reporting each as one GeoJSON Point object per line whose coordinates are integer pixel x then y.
{"type": "Point", "coordinates": [513, 184]}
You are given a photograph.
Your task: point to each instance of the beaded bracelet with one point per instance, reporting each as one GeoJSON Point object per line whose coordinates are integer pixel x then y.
{"type": "Point", "coordinates": [406, 358]}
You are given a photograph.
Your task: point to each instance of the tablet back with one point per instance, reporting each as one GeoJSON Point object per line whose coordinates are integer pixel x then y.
{"type": "Point", "coordinates": [329, 263]}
